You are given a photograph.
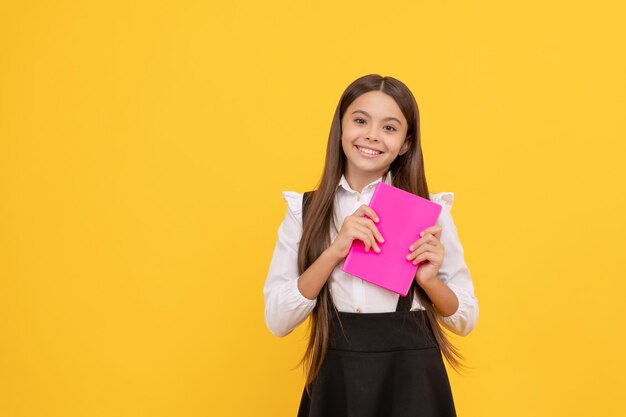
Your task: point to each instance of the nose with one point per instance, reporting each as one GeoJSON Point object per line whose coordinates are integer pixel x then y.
{"type": "Point", "coordinates": [371, 135]}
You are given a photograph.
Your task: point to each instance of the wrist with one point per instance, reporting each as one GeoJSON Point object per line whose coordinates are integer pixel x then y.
{"type": "Point", "coordinates": [331, 256]}
{"type": "Point", "coordinates": [430, 283]}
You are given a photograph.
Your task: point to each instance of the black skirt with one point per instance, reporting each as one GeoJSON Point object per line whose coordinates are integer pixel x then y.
{"type": "Point", "coordinates": [381, 364]}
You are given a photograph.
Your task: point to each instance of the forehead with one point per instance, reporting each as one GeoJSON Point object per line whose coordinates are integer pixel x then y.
{"type": "Point", "coordinates": [377, 104]}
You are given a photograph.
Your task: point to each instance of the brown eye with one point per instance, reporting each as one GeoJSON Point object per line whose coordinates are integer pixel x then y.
{"type": "Point", "coordinates": [357, 120]}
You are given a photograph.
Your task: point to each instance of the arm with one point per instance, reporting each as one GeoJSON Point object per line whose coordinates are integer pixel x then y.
{"type": "Point", "coordinates": [285, 306]}
{"type": "Point", "coordinates": [445, 300]}
{"type": "Point", "coordinates": [313, 279]}
{"type": "Point", "coordinates": [456, 276]}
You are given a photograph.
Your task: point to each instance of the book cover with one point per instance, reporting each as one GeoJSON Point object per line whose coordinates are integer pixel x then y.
{"type": "Point", "coordinates": [403, 216]}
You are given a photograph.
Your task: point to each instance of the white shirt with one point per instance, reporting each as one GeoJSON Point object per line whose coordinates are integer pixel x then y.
{"type": "Point", "coordinates": [286, 307]}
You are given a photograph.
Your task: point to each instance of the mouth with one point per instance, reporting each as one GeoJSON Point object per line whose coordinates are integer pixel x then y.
{"type": "Point", "coordinates": [368, 153]}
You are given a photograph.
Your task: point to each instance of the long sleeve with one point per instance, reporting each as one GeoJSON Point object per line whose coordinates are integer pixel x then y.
{"type": "Point", "coordinates": [455, 273]}
{"type": "Point", "coordinates": [285, 306]}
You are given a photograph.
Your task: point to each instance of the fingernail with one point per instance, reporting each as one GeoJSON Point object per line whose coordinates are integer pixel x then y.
{"type": "Point", "coordinates": [377, 219]}
{"type": "Point", "coordinates": [422, 234]}
{"type": "Point", "coordinates": [408, 256]}
{"type": "Point", "coordinates": [411, 247]}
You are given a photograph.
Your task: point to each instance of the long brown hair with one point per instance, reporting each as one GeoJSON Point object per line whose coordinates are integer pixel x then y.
{"type": "Point", "coordinates": [407, 173]}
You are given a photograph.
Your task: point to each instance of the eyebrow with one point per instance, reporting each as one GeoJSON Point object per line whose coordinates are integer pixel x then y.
{"type": "Point", "coordinates": [386, 118]}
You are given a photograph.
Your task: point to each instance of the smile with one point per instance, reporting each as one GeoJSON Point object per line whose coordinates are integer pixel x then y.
{"type": "Point", "coordinates": [368, 152]}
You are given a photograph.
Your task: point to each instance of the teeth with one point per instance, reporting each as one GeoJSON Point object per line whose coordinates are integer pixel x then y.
{"type": "Point", "coordinates": [368, 151]}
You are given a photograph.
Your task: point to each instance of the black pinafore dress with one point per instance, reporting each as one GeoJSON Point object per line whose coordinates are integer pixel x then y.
{"type": "Point", "coordinates": [380, 364]}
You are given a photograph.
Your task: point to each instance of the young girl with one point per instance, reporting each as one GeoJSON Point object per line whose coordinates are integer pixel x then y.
{"type": "Point", "coordinates": [370, 352]}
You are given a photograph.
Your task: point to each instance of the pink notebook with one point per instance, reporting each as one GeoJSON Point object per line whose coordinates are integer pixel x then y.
{"type": "Point", "coordinates": [403, 216]}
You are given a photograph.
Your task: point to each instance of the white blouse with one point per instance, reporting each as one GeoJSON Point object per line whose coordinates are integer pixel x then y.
{"type": "Point", "coordinates": [286, 307]}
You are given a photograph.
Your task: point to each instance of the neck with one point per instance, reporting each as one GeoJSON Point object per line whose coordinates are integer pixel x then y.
{"type": "Point", "coordinates": [358, 182]}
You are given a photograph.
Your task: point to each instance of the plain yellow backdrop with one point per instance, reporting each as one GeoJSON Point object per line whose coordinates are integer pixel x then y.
{"type": "Point", "coordinates": [144, 146]}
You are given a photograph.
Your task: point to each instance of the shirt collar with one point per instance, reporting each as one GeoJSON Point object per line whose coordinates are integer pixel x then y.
{"type": "Point", "coordinates": [387, 178]}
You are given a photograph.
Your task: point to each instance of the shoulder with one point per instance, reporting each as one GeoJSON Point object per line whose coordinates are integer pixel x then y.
{"type": "Point", "coordinates": [294, 202]}
{"type": "Point", "coordinates": [444, 198]}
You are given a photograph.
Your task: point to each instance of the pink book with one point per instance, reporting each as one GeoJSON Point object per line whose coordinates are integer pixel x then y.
{"type": "Point", "coordinates": [403, 216]}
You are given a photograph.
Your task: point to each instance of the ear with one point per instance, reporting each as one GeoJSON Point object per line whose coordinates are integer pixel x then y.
{"type": "Point", "coordinates": [405, 145]}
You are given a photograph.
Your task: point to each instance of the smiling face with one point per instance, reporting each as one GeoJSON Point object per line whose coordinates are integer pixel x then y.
{"type": "Point", "coordinates": [373, 121]}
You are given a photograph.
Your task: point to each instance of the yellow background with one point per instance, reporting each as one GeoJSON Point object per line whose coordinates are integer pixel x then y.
{"type": "Point", "coordinates": [144, 146]}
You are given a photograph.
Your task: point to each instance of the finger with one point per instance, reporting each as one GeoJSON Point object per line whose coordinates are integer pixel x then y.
{"type": "Point", "coordinates": [368, 211]}
{"type": "Point", "coordinates": [437, 253]}
{"type": "Point", "coordinates": [426, 256]}
{"type": "Point", "coordinates": [433, 230]}
{"type": "Point", "coordinates": [426, 247]}
{"type": "Point", "coordinates": [428, 237]}
{"type": "Point", "coordinates": [362, 235]}
{"type": "Point", "coordinates": [432, 239]}
{"type": "Point", "coordinates": [357, 234]}
{"type": "Point", "coordinates": [421, 241]}
{"type": "Point", "coordinates": [421, 258]}
{"type": "Point", "coordinates": [372, 242]}
{"type": "Point", "coordinates": [436, 233]}
{"type": "Point", "coordinates": [371, 226]}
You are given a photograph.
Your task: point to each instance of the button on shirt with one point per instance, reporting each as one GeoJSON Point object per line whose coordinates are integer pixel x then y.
{"type": "Point", "coordinates": [286, 307]}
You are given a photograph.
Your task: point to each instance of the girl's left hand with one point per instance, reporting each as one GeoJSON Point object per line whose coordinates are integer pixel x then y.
{"type": "Point", "coordinates": [428, 252]}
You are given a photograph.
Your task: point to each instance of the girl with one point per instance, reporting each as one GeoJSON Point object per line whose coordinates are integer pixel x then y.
{"type": "Point", "coordinates": [370, 352]}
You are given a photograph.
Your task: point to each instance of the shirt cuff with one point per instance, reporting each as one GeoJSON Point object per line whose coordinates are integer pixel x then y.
{"type": "Point", "coordinates": [463, 321]}
{"type": "Point", "coordinates": [301, 299]}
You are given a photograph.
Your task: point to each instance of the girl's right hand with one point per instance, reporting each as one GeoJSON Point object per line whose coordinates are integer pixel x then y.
{"type": "Point", "coordinates": [355, 226]}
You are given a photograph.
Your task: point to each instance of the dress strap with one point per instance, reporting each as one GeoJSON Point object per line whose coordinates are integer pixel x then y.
{"type": "Point", "coordinates": [305, 203]}
{"type": "Point", "coordinates": [405, 302]}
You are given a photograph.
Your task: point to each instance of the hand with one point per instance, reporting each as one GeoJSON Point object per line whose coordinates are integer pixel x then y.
{"type": "Point", "coordinates": [356, 226]}
{"type": "Point", "coordinates": [428, 252]}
